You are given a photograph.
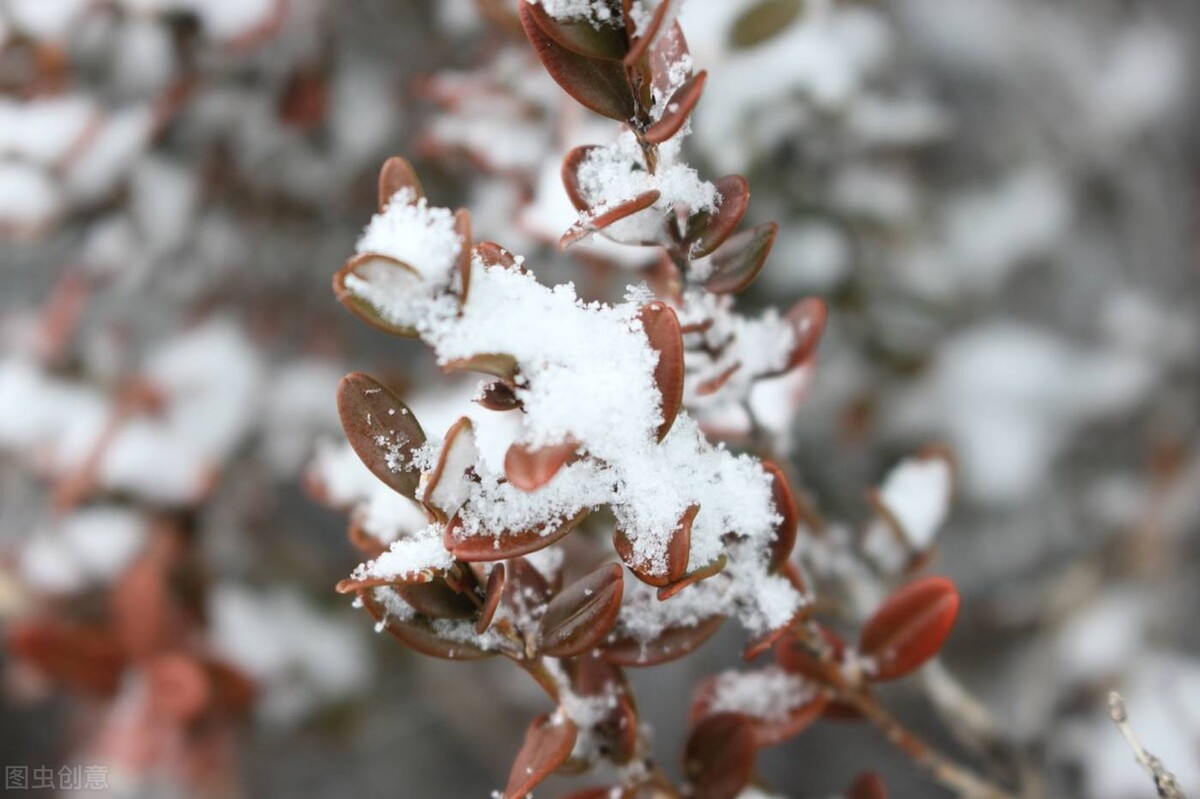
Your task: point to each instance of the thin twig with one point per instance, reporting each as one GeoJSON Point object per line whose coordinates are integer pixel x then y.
{"type": "Point", "coordinates": [1164, 781]}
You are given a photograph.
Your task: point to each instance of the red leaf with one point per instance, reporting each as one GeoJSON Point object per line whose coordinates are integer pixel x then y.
{"type": "Point", "coordinates": [664, 336]}
{"type": "Point", "coordinates": [530, 469]}
{"type": "Point", "coordinates": [785, 506]}
{"type": "Point", "coordinates": [679, 107]}
{"type": "Point", "coordinates": [583, 613]}
{"type": "Point", "coordinates": [548, 744]}
{"type": "Point", "coordinates": [381, 430]}
{"type": "Point", "coordinates": [462, 226]}
{"type": "Point", "coordinates": [719, 757]}
{"type": "Point", "coordinates": [910, 627]}
{"type": "Point", "coordinates": [598, 84]}
{"type": "Point", "coordinates": [359, 266]}
{"type": "Point", "coordinates": [641, 44]}
{"type": "Point", "coordinates": [419, 635]}
{"type": "Point", "coordinates": [599, 222]}
{"type": "Point", "coordinates": [672, 644]}
{"type": "Point", "coordinates": [581, 36]}
{"type": "Point", "coordinates": [691, 578]}
{"type": "Point", "coordinates": [498, 396]}
{"type": "Point", "coordinates": [800, 657]}
{"type": "Point", "coordinates": [491, 598]}
{"type": "Point", "coordinates": [396, 174]}
{"type": "Point", "coordinates": [474, 549]}
{"type": "Point", "coordinates": [437, 599]}
{"type": "Point", "coordinates": [807, 319]}
{"type": "Point", "coordinates": [492, 254]}
{"type": "Point", "coordinates": [714, 384]}
{"type": "Point", "coordinates": [767, 732]}
{"type": "Point", "coordinates": [738, 261]}
{"type": "Point", "coordinates": [708, 231]}
{"type": "Point", "coordinates": [869, 785]}
{"type": "Point", "coordinates": [496, 364]}
{"type": "Point", "coordinates": [84, 659]}
{"type": "Point", "coordinates": [678, 550]}
{"type": "Point", "coordinates": [178, 685]}
{"type": "Point", "coordinates": [444, 488]}
{"type": "Point", "coordinates": [570, 174]}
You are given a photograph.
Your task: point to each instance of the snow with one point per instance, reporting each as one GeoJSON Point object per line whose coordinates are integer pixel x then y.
{"type": "Point", "coordinates": [92, 546]}
{"type": "Point", "coordinates": [597, 12]}
{"type": "Point", "coordinates": [917, 494]}
{"type": "Point", "coordinates": [769, 694]}
{"type": "Point", "coordinates": [570, 354]}
{"type": "Point", "coordinates": [415, 234]}
{"type": "Point", "coordinates": [415, 558]}
{"type": "Point", "coordinates": [300, 658]}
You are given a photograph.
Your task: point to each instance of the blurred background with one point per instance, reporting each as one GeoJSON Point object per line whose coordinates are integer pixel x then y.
{"type": "Point", "coordinates": [996, 197]}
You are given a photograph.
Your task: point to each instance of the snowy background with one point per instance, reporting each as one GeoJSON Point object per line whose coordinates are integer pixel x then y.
{"type": "Point", "coordinates": [997, 198]}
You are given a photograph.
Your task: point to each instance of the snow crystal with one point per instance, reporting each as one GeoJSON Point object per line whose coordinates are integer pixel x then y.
{"type": "Point", "coordinates": [421, 554]}
{"type": "Point", "coordinates": [917, 494]}
{"type": "Point", "coordinates": [768, 694]}
{"type": "Point", "coordinates": [597, 12]}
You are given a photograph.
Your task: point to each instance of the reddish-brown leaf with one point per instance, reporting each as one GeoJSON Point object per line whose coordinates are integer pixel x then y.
{"type": "Point", "coordinates": [446, 486]}
{"type": "Point", "coordinates": [714, 384]}
{"type": "Point", "coordinates": [496, 364]}
{"type": "Point", "coordinates": [640, 46]}
{"type": "Point", "coordinates": [869, 785]}
{"type": "Point", "coordinates": [141, 606]}
{"type": "Point", "coordinates": [84, 659]}
{"type": "Point", "coordinates": [178, 686]}
{"type": "Point", "coordinates": [570, 174]}
{"type": "Point", "coordinates": [498, 396]}
{"type": "Point", "coordinates": [492, 254]}
{"type": "Point", "coordinates": [608, 217]}
{"type": "Point", "coordinates": [664, 336]}
{"type": "Point", "coordinates": [419, 635]}
{"type": "Point", "coordinates": [785, 505]}
{"type": "Point", "coordinates": [679, 108]}
{"type": "Point", "coordinates": [548, 744]}
{"type": "Point", "coordinates": [672, 644]}
{"type": "Point", "coordinates": [474, 549]}
{"type": "Point", "coordinates": [233, 692]}
{"type": "Point", "coordinates": [764, 641]}
{"type": "Point", "coordinates": [583, 613]}
{"type": "Point", "coordinates": [708, 231]}
{"type": "Point", "coordinates": [437, 600]}
{"type": "Point", "coordinates": [381, 430]}
{"type": "Point", "coordinates": [678, 550]}
{"type": "Point", "coordinates": [719, 757]}
{"type": "Point", "coordinates": [691, 578]}
{"type": "Point", "coordinates": [530, 469]}
{"type": "Point", "coordinates": [618, 729]}
{"type": "Point", "coordinates": [738, 261]}
{"type": "Point", "coordinates": [462, 226]}
{"type": "Point", "coordinates": [491, 598]}
{"type": "Point", "coordinates": [767, 732]}
{"type": "Point", "coordinates": [807, 319]}
{"type": "Point", "coordinates": [397, 174]}
{"type": "Point", "coordinates": [804, 658]}
{"type": "Point", "coordinates": [581, 36]}
{"type": "Point", "coordinates": [910, 627]}
{"type": "Point", "coordinates": [598, 84]}
{"type": "Point", "coordinates": [360, 266]}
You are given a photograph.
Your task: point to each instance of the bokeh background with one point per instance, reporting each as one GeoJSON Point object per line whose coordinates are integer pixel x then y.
{"type": "Point", "coordinates": [996, 197]}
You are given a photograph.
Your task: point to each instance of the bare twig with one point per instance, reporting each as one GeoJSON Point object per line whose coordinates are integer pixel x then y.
{"type": "Point", "coordinates": [1164, 781]}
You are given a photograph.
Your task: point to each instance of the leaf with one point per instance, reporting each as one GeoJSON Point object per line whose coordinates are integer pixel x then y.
{"type": "Point", "coordinates": [530, 469]}
{"type": "Point", "coordinates": [691, 578]}
{"type": "Point", "coordinates": [437, 599]}
{"type": "Point", "coordinates": [178, 686]}
{"type": "Point", "coordinates": [447, 486]}
{"type": "Point", "coordinates": [419, 635]}
{"type": "Point", "coordinates": [807, 319]}
{"type": "Point", "coordinates": [661, 326]}
{"type": "Point", "coordinates": [582, 36]}
{"type": "Point", "coordinates": [672, 644]}
{"type": "Point", "coordinates": [708, 231]}
{"type": "Point", "coordinates": [763, 21]}
{"type": "Point", "coordinates": [679, 108]}
{"type": "Point", "coordinates": [381, 431]}
{"type": "Point", "coordinates": [785, 505]}
{"type": "Point", "coordinates": [371, 266]}
{"type": "Point", "coordinates": [641, 44]}
{"type": "Point", "coordinates": [715, 384]}
{"type": "Point", "coordinates": [397, 174]}
{"type": "Point", "coordinates": [764, 641]}
{"type": "Point", "coordinates": [491, 598]}
{"type": "Point", "coordinates": [570, 174]}
{"type": "Point", "coordinates": [474, 549]}
{"type": "Point", "coordinates": [84, 659]}
{"type": "Point", "coordinates": [910, 627]}
{"type": "Point", "coordinates": [869, 785]}
{"type": "Point", "coordinates": [588, 226]}
{"type": "Point", "coordinates": [462, 226]}
{"type": "Point", "coordinates": [719, 757]}
{"type": "Point", "coordinates": [802, 657]}
{"type": "Point", "coordinates": [617, 731]}
{"type": "Point", "coordinates": [678, 550]}
{"type": "Point", "coordinates": [738, 261]}
{"type": "Point", "coordinates": [595, 83]}
{"type": "Point", "coordinates": [496, 364]}
{"type": "Point", "coordinates": [583, 613]}
{"type": "Point", "coordinates": [498, 396]}
{"type": "Point", "coordinates": [548, 743]}
{"type": "Point", "coordinates": [767, 731]}
{"type": "Point", "coordinates": [492, 254]}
